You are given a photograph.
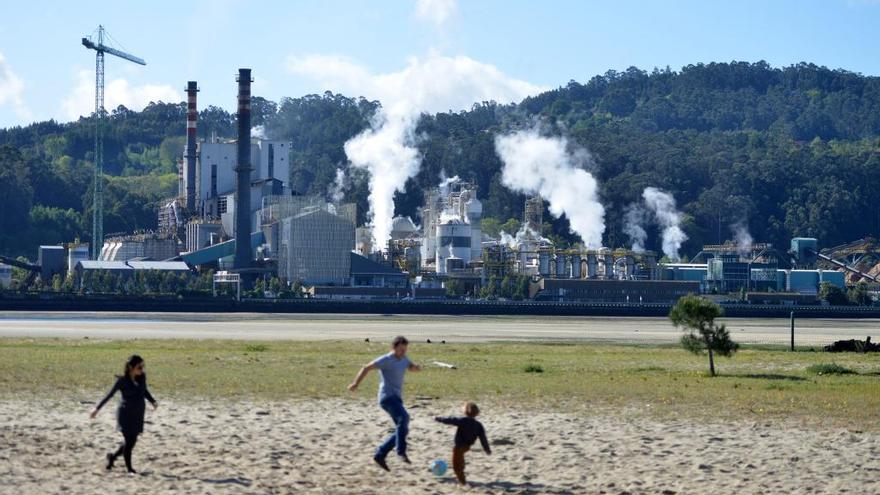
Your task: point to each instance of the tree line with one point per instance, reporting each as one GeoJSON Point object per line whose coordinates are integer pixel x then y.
{"type": "Point", "coordinates": [791, 151]}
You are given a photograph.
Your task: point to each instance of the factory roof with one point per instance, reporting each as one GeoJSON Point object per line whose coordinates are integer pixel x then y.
{"type": "Point", "coordinates": [365, 266]}
{"type": "Point", "coordinates": [134, 265]}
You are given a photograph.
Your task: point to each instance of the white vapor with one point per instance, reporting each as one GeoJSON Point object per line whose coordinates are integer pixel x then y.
{"type": "Point", "coordinates": [81, 100]}
{"type": "Point", "coordinates": [742, 237]}
{"type": "Point", "coordinates": [258, 132]}
{"type": "Point", "coordinates": [662, 205]}
{"type": "Point", "coordinates": [634, 219]}
{"type": "Point", "coordinates": [535, 164]}
{"type": "Point", "coordinates": [12, 91]}
{"type": "Point", "coordinates": [337, 189]}
{"type": "Point", "coordinates": [436, 11]}
{"type": "Point", "coordinates": [388, 149]}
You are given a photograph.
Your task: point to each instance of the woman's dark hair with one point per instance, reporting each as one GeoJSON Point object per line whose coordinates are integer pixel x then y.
{"type": "Point", "coordinates": [131, 364]}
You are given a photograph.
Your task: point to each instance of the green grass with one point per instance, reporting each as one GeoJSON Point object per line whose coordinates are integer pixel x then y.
{"type": "Point", "coordinates": [753, 385]}
{"type": "Point", "coordinates": [829, 369]}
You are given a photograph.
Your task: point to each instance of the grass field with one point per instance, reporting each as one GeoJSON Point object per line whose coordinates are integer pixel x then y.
{"type": "Point", "coordinates": [756, 384]}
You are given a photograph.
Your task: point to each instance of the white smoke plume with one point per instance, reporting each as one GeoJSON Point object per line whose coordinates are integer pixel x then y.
{"type": "Point", "coordinates": [535, 164]}
{"type": "Point", "coordinates": [522, 236]}
{"type": "Point", "coordinates": [258, 132]}
{"type": "Point", "coordinates": [436, 11]}
{"type": "Point", "coordinates": [742, 237]}
{"type": "Point", "coordinates": [662, 205]}
{"type": "Point", "coordinates": [387, 150]}
{"type": "Point", "coordinates": [635, 217]}
{"type": "Point", "coordinates": [445, 182]}
{"type": "Point", "coordinates": [337, 189]}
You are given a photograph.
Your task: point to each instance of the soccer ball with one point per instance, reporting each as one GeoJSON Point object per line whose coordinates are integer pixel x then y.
{"type": "Point", "coordinates": [438, 467]}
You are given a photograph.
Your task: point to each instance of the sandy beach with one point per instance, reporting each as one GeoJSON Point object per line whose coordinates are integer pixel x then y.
{"type": "Point", "coordinates": [324, 446]}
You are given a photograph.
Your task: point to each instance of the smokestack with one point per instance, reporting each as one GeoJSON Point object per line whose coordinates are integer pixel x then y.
{"type": "Point", "coordinates": [192, 115]}
{"type": "Point", "coordinates": [243, 255]}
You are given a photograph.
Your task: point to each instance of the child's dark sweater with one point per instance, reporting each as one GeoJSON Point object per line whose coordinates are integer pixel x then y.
{"type": "Point", "coordinates": [469, 430]}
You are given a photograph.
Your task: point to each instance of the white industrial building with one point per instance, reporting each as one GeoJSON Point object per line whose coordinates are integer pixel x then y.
{"type": "Point", "coordinates": [215, 171]}
{"type": "Point", "coordinates": [451, 219]}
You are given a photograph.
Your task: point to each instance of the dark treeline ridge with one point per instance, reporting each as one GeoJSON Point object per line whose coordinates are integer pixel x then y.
{"type": "Point", "coordinates": [791, 151]}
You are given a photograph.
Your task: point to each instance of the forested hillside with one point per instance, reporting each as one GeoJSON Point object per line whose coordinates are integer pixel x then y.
{"type": "Point", "coordinates": [792, 151]}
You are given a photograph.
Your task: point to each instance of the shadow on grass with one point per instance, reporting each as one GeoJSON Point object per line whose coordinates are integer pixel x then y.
{"type": "Point", "coordinates": [768, 376]}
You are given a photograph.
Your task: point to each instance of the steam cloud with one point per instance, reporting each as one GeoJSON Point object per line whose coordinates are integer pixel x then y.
{"type": "Point", "coordinates": [742, 237]}
{"type": "Point", "coordinates": [635, 217]}
{"type": "Point", "coordinates": [662, 205]}
{"type": "Point", "coordinates": [436, 11]}
{"type": "Point", "coordinates": [337, 189]}
{"type": "Point", "coordinates": [534, 164]}
{"type": "Point", "coordinates": [387, 150]}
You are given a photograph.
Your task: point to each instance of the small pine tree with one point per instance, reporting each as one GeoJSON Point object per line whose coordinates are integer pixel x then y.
{"type": "Point", "coordinates": [696, 316]}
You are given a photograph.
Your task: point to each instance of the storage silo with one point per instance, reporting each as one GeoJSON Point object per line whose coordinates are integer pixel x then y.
{"type": "Point", "coordinates": [453, 241]}
{"type": "Point", "coordinates": [544, 262]}
{"type": "Point", "coordinates": [576, 266]}
{"type": "Point", "coordinates": [561, 271]}
{"type": "Point", "coordinates": [592, 266]}
{"type": "Point", "coordinates": [474, 218]}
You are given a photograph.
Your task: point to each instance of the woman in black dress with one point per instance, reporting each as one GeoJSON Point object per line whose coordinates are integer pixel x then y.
{"type": "Point", "coordinates": [132, 385]}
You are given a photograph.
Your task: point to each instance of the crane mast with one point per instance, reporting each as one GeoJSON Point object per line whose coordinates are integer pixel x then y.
{"type": "Point", "coordinates": [100, 117]}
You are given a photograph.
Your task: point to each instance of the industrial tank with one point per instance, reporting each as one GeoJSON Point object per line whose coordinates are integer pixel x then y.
{"type": "Point", "coordinates": [576, 266]}
{"type": "Point", "coordinates": [76, 254]}
{"type": "Point", "coordinates": [544, 263]}
{"type": "Point", "coordinates": [592, 266]}
{"type": "Point", "coordinates": [474, 218]}
{"type": "Point", "coordinates": [561, 271]}
{"type": "Point", "coordinates": [453, 241]}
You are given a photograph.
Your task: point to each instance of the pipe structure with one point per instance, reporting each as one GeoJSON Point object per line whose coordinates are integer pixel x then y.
{"type": "Point", "coordinates": [192, 116]}
{"type": "Point", "coordinates": [243, 253]}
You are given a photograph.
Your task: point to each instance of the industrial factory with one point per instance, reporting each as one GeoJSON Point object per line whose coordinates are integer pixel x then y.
{"type": "Point", "coordinates": [235, 213]}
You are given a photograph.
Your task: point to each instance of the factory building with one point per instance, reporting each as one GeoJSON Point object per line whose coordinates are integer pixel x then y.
{"type": "Point", "coordinates": [52, 261]}
{"type": "Point", "coordinates": [128, 268]}
{"type": "Point", "coordinates": [618, 291]}
{"type": "Point", "coordinates": [451, 219]}
{"type": "Point", "coordinates": [311, 239]}
{"type": "Point", "coordinates": [5, 276]}
{"type": "Point", "coordinates": [139, 246]}
{"type": "Point", "coordinates": [215, 170]}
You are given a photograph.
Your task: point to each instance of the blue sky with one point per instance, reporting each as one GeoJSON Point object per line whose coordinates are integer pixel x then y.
{"type": "Point", "coordinates": [523, 46]}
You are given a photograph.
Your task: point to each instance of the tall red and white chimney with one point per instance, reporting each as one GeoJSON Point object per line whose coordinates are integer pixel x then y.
{"type": "Point", "coordinates": [192, 117]}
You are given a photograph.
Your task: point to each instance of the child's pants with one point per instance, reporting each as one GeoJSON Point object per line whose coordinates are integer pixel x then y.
{"type": "Point", "coordinates": [458, 462]}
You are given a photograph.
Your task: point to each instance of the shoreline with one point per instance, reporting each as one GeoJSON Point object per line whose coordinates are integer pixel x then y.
{"type": "Point", "coordinates": [77, 304]}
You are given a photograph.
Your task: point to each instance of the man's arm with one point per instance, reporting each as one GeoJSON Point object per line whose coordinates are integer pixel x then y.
{"type": "Point", "coordinates": [414, 367]}
{"type": "Point", "coordinates": [361, 375]}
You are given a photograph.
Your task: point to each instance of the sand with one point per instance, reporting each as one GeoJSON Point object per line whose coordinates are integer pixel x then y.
{"type": "Point", "coordinates": [245, 326]}
{"type": "Point", "coordinates": [48, 445]}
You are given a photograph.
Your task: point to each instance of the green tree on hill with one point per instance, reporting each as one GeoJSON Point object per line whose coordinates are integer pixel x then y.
{"type": "Point", "coordinates": [696, 316]}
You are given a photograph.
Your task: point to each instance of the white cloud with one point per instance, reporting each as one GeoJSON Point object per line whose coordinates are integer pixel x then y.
{"type": "Point", "coordinates": [435, 83]}
{"type": "Point", "coordinates": [81, 100]}
{"type": "Point", "coordinates": [12, 91]}
{"type": "Point", "coordinates": [436, 11]}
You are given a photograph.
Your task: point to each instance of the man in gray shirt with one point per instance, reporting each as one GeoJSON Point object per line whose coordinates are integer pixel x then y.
{"type": "Point", "coordinates": [392, 367]}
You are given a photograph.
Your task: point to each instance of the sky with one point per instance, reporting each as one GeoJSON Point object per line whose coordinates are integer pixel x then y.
{"type": "Point", "coordinates": [489, 49]}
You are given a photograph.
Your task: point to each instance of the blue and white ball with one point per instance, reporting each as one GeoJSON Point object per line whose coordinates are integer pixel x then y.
{"type": "Point", "coordinates": [438, 467]}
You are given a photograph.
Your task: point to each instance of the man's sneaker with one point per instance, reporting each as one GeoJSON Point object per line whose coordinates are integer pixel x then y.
{"type": "Point", "coordinates": [404, 458]}
{"type": "Point", "coordinates": [382, 464]}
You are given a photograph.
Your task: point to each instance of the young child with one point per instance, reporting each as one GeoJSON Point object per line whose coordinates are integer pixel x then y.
{"type": "Point", "coordinates": [469, 430]}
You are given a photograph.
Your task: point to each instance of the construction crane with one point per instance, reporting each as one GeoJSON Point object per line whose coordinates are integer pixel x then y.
{"type": "Point", "coordinates": [100, 115]}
